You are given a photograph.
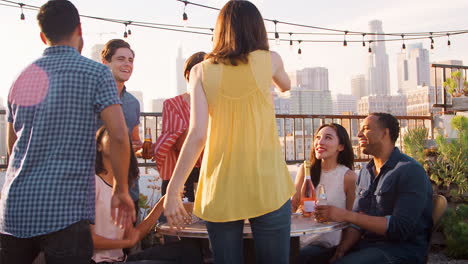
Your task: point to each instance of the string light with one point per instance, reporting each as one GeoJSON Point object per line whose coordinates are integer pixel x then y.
{"type": "Point", "coordinates": [448, 40]}
{"type": "Point", "coordinates": [370, 49]}
{"type": "Point", "coordinates": [345, 43]}
{"type": "Point", "coordinates": [22, 14]}
{"type": "Point", "coordinates": [432, 41]}
{"type": "Point", "coordinates": [212, 34]}
{"type": "Point", "coordinates": [363, 42]}
{"type": "Point", "coordinates": [403, 46]}
{"type": "Point", "coordinates": [277, 39]}
{"type": "Point", "coordinates": [125, 35]}
{"type": "Point", "coordinates": [184, 15]}
{"type": "Point", "coordinates": [290, 41]}
{"type": "Point", "coordinates": [299, 51]}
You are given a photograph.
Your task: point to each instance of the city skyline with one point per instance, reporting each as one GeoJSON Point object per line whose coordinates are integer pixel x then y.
{"type": "Point", "coordinates": [156, 51]}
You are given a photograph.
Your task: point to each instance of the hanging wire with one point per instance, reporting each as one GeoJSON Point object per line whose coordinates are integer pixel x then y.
{"type": "Point", "coordinates": [22, 14]}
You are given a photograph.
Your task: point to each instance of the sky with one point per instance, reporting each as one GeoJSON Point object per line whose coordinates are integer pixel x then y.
{"type": "Point", "coordinates": [156, 50]}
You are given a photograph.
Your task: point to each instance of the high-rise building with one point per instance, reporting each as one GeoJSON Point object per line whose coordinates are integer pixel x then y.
{"type": "Point", "coordinates": [96, 52]}
{"type": "Point", "coordinates": [420, 101]}
{"type": "Point", "coordinates": [393, 104]}
{"type": "Point", "coordinates": [313, 78]}
{"type": "Point", "coordinates": [359, 86]}
{"type": "Point", "coordinates": [310, 102]}
{"type": "Point", "coordinates": [180, 80]}
{"type": "Point", "coordinates": [413, 68]}
{"type": "Point", "coordinates": [344, 104]}
{"type": "Point", "coordinates": [378, 74]}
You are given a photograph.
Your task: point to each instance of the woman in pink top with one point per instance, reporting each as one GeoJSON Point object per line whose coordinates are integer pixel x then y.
{"type": "Point", "coordinates": [109, 239]}
{"type": "Point", "coordinates": [175, 123]}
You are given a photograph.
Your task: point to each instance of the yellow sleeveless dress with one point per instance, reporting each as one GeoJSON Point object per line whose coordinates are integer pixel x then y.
{"type": "Point", "coordinates": [243, 173]}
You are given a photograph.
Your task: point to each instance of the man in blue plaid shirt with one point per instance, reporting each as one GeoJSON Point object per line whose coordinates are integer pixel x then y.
{"type": "Point", "coordinates": [47, 200]}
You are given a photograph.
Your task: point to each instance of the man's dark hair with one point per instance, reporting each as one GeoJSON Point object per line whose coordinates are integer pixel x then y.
{"type": "Point", "coordinates": [387, 120]}
{"type": "Point", "coordinates": [58, 19]}
{"type": "Point", "coordinates": [112, 46]}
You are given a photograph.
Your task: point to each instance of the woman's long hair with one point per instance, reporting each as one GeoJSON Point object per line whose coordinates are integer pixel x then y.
{"type": "Point", "coordinates": [133, 170]}
{"type": "Point", "coordinates": [239, 30]}
{"type": "Point", "coordinates": [345, 157]}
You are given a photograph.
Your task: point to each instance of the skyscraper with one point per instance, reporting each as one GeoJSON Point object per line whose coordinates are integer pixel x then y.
{"type": "Point", "coordinates": [377, 64]}
{"type": "Point", "coordinates": [344, 103]}
{"type": "Point", "coordinates": [180, 80]}
{"type": "Point", "coordinates": [359, 86]}
{"type": "Point", "coordinates": [313, 78]}
{"type": "Point", "coordinates": [413, 68]}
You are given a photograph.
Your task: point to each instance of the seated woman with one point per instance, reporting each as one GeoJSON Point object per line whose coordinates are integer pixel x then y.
{"type": "Point", "coordinates": [331, 159]}
{"type": "Point", "coordinates": [109, 239]}
{"type": "Point", "coordinates": [175, 124]}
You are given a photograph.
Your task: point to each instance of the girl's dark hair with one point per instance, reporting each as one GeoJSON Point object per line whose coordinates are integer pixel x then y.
{"type": "Point", "coordinates": [239, 30]}
{"type": "Point", "coordinates": [345, 157]}
{"type": "Point", "coordinates": [192, 61]}
{"type": "Point", "coordinates": [133, 170]}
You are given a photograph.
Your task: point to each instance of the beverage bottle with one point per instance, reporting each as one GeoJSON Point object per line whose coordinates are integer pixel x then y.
{"type": "Point", "coordinates": [146, 147]}
{"type": "Point", "coordinates": [308, 198]}
{"type": "Point", "coordinates": [321, 195]}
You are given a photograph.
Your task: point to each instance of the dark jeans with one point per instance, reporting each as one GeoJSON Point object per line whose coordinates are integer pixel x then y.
{"type": "Point", "coordinates": [368, 252]}
{"type": "Point", "coordinates": [183, 252]}
{"type": "Point", "coordinates": [271, 234]}
{"type": "Point", "coordinates": [72, 245]}
{"type": "Point", "coordinates": [316, 254]}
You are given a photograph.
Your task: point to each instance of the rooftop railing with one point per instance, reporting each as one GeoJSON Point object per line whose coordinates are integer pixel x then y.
{"type": "Point", "coordinates": [295, 133]}
{"type": "Point", "coordinates": [440, 74]}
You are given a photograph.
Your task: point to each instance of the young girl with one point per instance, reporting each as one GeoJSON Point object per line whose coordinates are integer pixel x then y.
{"type": "Point", "coordinates": [331, 159]}
{"type": "Point", "coordinates": [109, 239]}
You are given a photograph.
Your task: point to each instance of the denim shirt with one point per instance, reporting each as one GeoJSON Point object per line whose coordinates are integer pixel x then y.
{"type": "Point", "coordinates": [402, 193]}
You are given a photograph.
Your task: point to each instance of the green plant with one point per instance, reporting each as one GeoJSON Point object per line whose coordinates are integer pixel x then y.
{"type": "Point", "coordinates": [414, 142]}
{"type": "Point", "coordinates": [455, 228]}
{"type": "Point", "coordinates": [456, 85]}
{"type": "Point", "coordinates": [450, 168]}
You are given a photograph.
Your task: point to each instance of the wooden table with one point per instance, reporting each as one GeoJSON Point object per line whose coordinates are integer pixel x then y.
{"type": "Point", "coordinates": [300, 226]}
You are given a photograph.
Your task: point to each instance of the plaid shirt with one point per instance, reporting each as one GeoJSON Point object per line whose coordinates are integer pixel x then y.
{"type": "Point", "coordinates": [53, 106]}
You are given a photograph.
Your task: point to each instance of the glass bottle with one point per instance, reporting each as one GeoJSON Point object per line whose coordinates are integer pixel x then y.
{"type": "Point", "coordinates": [146, 147]}
{"type": "Point", "coordinates": [308, 198]}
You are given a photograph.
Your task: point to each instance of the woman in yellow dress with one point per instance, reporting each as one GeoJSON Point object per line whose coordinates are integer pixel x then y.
{"type": "Point", "coordinates": [243, 173]}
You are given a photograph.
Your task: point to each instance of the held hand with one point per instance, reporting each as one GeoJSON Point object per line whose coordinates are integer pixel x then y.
{"type": "Point", "coordinates": [132, 235]}
{"type": "Point", "coordinates": [295, 201]}
{"type": "Point", "coordinates": [122, 209]}
{"type": "Point", "coordinates": [136, 145]}
{"type": "Point", "coordinates": [174, 211]}
{"type": "Point", "coordinates": [330, 213]}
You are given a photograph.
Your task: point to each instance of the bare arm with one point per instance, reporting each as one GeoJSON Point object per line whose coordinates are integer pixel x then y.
{"type": "Point", "coordinates": [145, 226]}
{"type": "Point", "coordinates": [191, 149]}
{"type": "Point", "coordinates": [11, 137]}
{"type": "Point", "coordinates": [100, 242]}
{"type": "Point", "coordinates": [114, 121]}
{"type": "Point", "coordinates": [298, 182]}
{"type": "Point", "coordinates": [136, 141]}
{"type": "Point", "coordinates": [280, 77]}
{"type": "Point", "coordinates": [349, 183]}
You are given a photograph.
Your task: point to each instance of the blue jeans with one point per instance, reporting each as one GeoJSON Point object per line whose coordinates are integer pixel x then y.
{"type": "Point", "coordinates": [271, 234]}
{"type": "Point", "coordinates": [72, 245]}
{"type": "Point", "coordinates": [316, 254]}
{"type": "Point", "coordinates": [367, 252]}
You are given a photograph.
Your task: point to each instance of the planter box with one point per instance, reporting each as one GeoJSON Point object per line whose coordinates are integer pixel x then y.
{"type": "Point", "coordinates": [460, 104]}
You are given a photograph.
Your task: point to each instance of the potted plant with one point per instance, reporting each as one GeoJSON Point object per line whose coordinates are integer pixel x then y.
{"type": "Point", "coordinates": [457, 87]}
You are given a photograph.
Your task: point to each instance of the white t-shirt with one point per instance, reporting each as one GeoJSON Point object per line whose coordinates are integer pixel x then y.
{"type": "Point", "coordinates": [104, 225]}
